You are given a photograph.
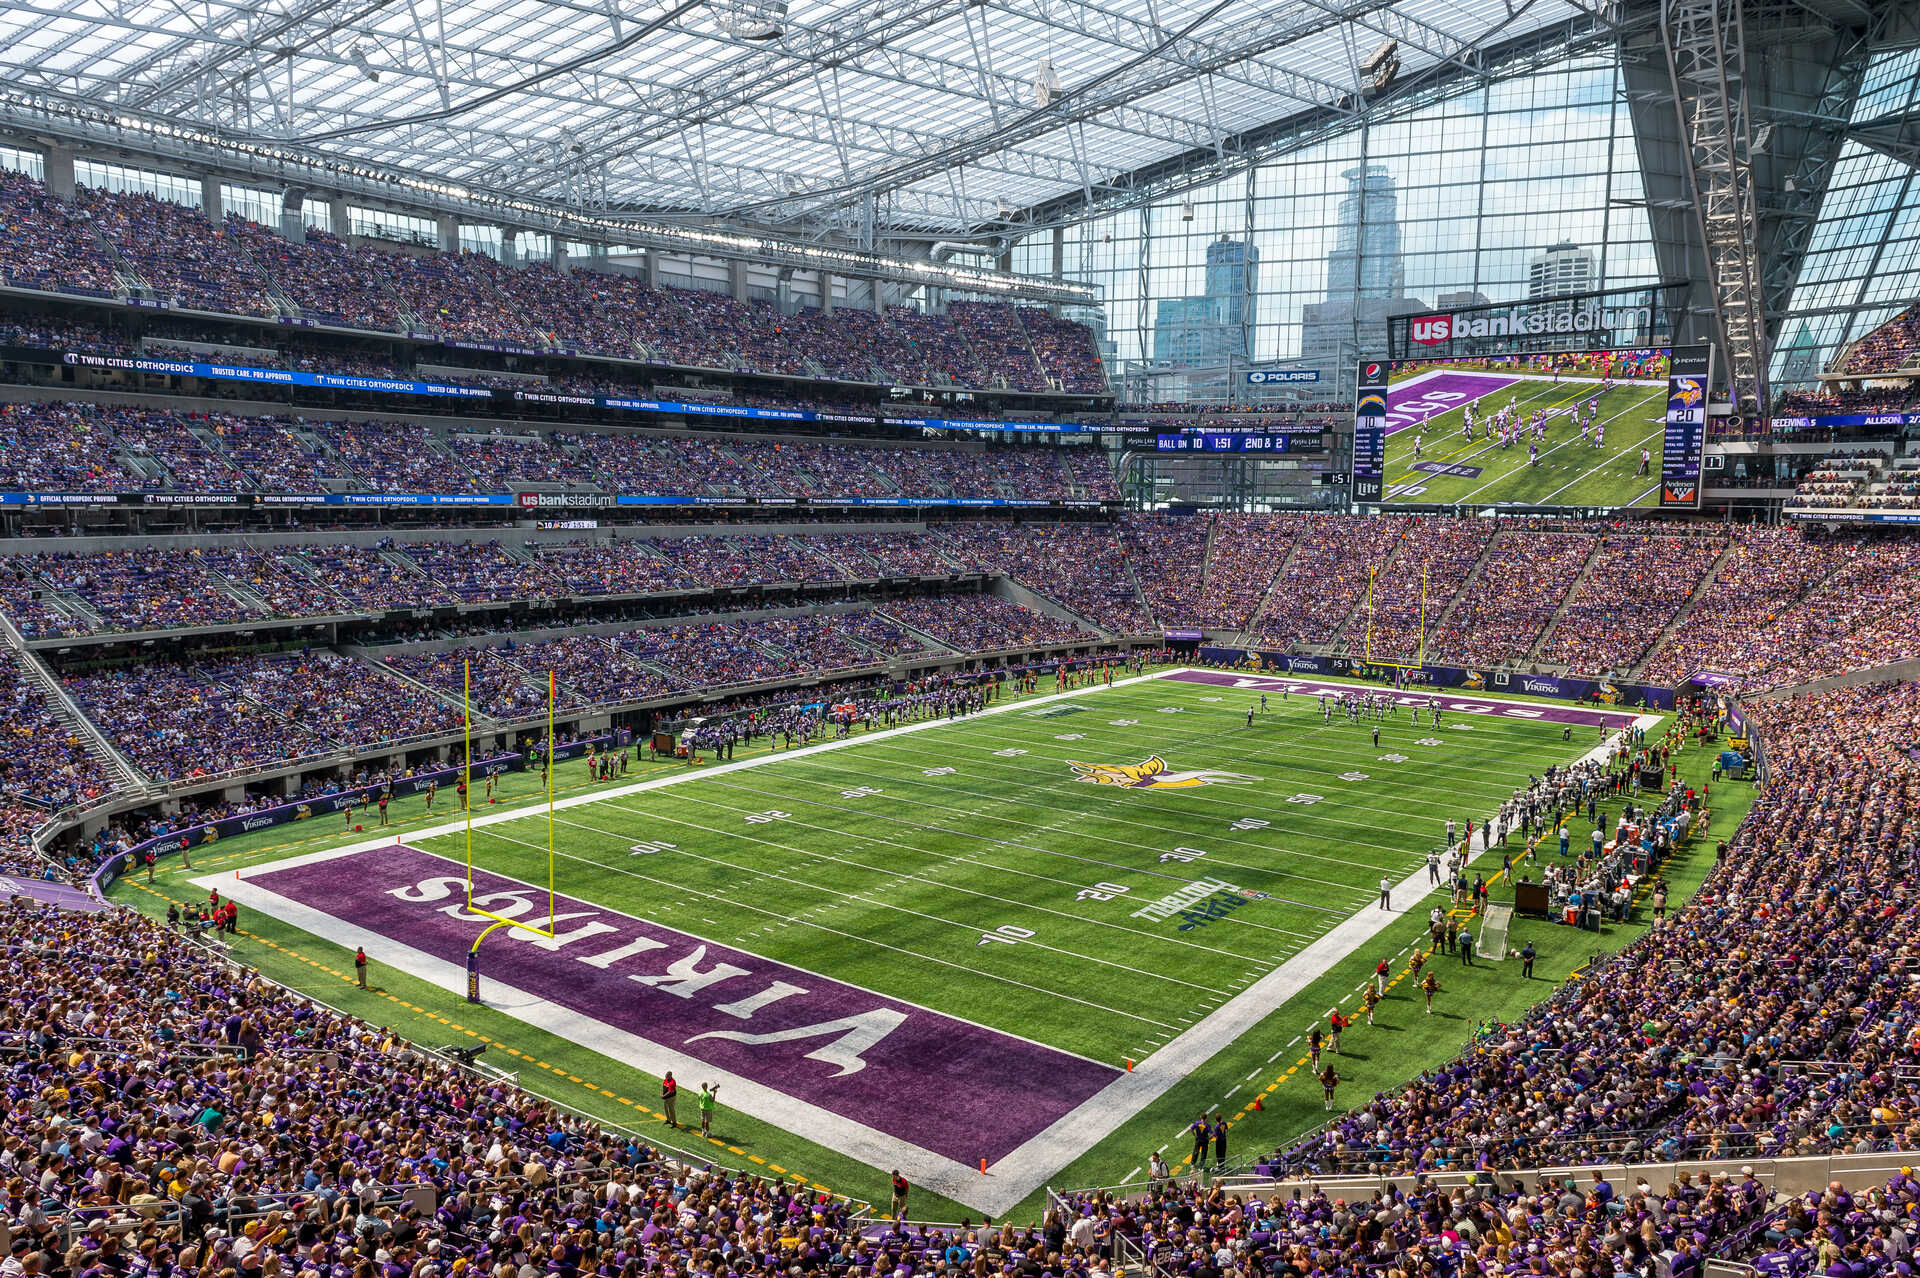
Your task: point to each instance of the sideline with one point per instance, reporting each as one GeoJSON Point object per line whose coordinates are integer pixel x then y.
{"type": "Point", "coordinates": [1015, 1176]}
{"type": "Point", "coordinates": [691, 773]}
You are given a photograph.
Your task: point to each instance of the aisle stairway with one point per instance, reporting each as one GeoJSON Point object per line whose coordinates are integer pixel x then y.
{"type": "Point", "coordinates": [127, 778]}
{"type": "Point", "coordinates": [1438, 625]}
{"type": "Point", "coordinates": [1573, 592]}
{"type": "Point", "coordinates": [1700, 590]}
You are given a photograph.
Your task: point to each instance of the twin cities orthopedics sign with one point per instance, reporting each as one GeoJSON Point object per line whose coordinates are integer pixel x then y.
{"type": "Point", "coordinates": [1685, 442]}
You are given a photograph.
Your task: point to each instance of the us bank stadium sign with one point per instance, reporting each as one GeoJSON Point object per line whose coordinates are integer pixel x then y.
{"type": "Point", "coordinates": [1435, 330]}
{"type": "Point", "coordinates": [1634, 317]}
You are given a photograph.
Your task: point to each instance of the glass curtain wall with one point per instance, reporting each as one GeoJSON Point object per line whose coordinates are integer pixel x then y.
{"type": "Point", "coordinates": [1863, 264]}
{"type": "Point", "coordinates": [1412, 212]}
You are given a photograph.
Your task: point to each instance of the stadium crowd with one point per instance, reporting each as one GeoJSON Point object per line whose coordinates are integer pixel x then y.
{"type": "Point", "coordinates": [1428, 567]}
{"type": "Point", "coordinates": [1762, 1019]}
{"type": "Point", "coordinates": [49, 594]}
{"type": "Point", "coordinates": [1084, 567]}
{"type": "Point", "coordinates": [1781, 603]}
{"type": "Point", "coordinates": [105, 240]}
{"type": "Point", "coordinates": [87, 447]}
{"type": "Point", "coordinates": [1526, 1227]}
{"type": "Point", "coordinates": [214, 1122]}
{"type": "Point", "coordinates": [1826, 1230]}
{"type": "Point", "coordinates": [1324, 579]}
{"type": "Point", "coordinates": [1525, 580]}
{"type": "Point", "coordinates": [1635, 587]}
{"type": "Point", "coordinates": [1895, 344]}
{"type": "Point", "coordinates": [1242, 560]}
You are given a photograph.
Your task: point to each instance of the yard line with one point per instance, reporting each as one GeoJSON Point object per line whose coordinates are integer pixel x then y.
{"type": "Point", "coordinates": [1361, 756]}
{"type": "Point", "coordinates": [1531, 402]}
{"type": "Point", "coordinates": [1197, 738]}
{"type": "Point", "coordinates": [724, 835]}
{"type": "Point", "coordinates": [1055, 787]}
{"type": "Point", "coordinates": [971, 928]}
{"type": "Point", "coordinates": [1230, 728]}
{"type": "Point", "coordinates": [831, 931]}
{"type": "Point", "coordinates": [1110, 814]}
{"type": "Point", "coordinates": [1631, 444]}
{"type": "Point", "coordinates": [623, 837]}
{"type": "Point", "coordinates": [1230, 722]}
{"type": "Point", "coordinates": [1171, 877]}
{"type": "Point", "coordinates": [1015, 843]}
{"type": "Point", "coordinates": [1638, 406]}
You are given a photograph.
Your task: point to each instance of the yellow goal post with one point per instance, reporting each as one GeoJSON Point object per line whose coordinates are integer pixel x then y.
{"type": "Point", "coordinates": [466, 775]}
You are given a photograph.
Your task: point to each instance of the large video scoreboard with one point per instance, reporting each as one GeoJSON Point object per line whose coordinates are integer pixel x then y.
{"type": "Point", "coordinates": [1685, 442]}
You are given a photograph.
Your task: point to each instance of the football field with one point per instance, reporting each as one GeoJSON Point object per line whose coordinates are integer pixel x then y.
{"type": "Point", "coordinates": [1430, 460]}
{"type": "Point", "coordinates": [1033, 938]}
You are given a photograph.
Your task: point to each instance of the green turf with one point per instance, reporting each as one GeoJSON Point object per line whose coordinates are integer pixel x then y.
{"type": "Point", "coordinates": [1571, 472]}
{"type": "Point", "coordinates": [1012, 839]}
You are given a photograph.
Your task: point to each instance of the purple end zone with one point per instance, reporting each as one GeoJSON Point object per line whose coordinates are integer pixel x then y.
{"type": "Point", "coordinates": [1449, 700]}
{"type": "Point", "coordinates": [957, 1089]}
{"type": "Point", "coordinates": [67, 898]}
{"type": "Point", "coordinates": [1437, 393]}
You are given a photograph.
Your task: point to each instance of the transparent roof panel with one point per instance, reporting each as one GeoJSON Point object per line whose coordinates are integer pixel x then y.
{"type": "Point", "coordinates": [782, 110]}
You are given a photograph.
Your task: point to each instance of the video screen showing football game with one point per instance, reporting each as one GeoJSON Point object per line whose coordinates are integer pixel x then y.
{"type": "Point", "coordinates": [1561, 428]}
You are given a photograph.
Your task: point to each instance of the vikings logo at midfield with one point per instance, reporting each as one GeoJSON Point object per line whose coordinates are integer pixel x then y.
{"type": "Point", "coordinates": [1152, 774]}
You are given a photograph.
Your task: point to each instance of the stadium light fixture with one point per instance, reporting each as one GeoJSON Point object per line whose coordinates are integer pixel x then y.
{"type": "Point", "coordinates": [1387, 51]}
{"type": "Point", "coordinates": [1046, 84]}
{"type": "Point", "coordinates": [762, 23]}
{"type": "Point", "coordinates": [1382, 65]}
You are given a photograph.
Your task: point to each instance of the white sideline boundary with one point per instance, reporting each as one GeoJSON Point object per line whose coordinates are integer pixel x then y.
{"type": "Point", "coordinates": [835, 1132]}
{"type": "Point", "coordinates": [1015, 1176]}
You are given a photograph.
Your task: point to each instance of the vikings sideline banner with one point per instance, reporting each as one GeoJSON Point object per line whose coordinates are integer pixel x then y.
{"type": "Point", "coordinates": [194, 836]}
{"type": "Point", "coordinates": [1559, 687]}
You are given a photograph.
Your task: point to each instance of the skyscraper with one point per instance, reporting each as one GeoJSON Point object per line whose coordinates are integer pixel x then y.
{"type": "Point", "coordinates": [1185, 330]}
{"type": "Point", "coordinates": [1366, 277]}
{"type": "Point", "coordinates": [1233, 269]}
{"type": "Point", "coordinates": [1800, 363]}
{"type": "Point", "coordinates": [1564, 268]}
{"type": "Point", "coordinates": [1219, 324]}
{"type": "Point", "coordinates": [1365, 261]}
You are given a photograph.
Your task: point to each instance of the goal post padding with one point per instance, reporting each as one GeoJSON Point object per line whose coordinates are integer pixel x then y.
{"type": "Point", "coordinates": [1493, 933]}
